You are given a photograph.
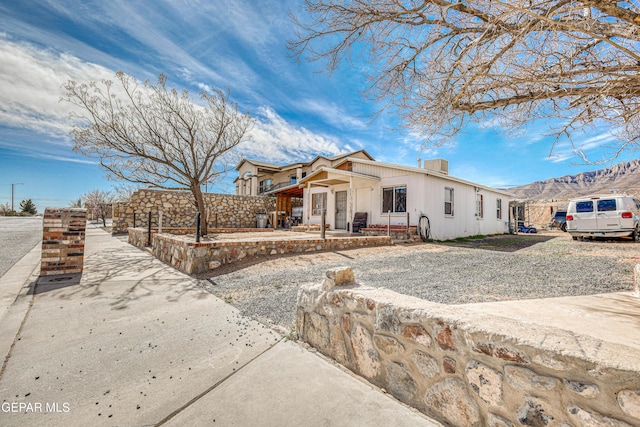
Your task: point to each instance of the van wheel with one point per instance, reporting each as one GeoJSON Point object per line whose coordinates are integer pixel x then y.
{"type": "Point", "coordinates": [636, 235]}
{"type": "Point", "coordinates": [563, 227]}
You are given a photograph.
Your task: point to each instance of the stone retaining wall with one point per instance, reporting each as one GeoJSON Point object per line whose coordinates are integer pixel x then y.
{"type": "Point", "coordinates": [178, 210]}
{"type": "Point", "coordinates": [195, 258]}
{"type": "Point", "coordinates": [63, 241]}
{"type": "Point", "coordinates": [470, 369]}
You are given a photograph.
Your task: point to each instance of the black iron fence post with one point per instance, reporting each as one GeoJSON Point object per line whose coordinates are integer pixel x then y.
{"type": "Point", "coordinates": [322, 223]}
{"type": "Point", "coordinates": [198, 227]}
{"type": "Point", "coordinates": [149, 230]}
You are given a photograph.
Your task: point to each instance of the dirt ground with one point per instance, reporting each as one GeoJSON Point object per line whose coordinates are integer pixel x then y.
{"type": "Point", "coordinates": [502, 243]}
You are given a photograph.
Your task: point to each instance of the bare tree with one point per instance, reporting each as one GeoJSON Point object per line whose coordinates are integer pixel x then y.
{"type": "Point", "coordinates": [99, 203]}
{"type": "Point", "coordinates": [5, 209]}
{"type": "Point", "coordinates": [149, 134]}
{"type": "Point", "coordinates": [444, 63]}
{"type": "Point", "coordinates": [123, 192]}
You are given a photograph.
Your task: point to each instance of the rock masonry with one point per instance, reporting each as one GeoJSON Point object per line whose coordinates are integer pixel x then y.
{"type": "Point", "coordinates": [190, 257]}
{"type": "Point", "coordinates": [469, 369]}
{"type": "Point", "coordinates": [178, 210]}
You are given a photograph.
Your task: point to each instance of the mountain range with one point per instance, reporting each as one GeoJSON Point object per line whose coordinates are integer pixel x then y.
{"type": "Point", "coordinates": [621, 178]}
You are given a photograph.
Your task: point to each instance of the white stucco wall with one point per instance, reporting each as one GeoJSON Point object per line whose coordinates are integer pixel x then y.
{"type": "Point", "coordinates": [425, 195]}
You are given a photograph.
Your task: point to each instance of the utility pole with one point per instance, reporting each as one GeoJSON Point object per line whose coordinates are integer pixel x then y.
{"type": "Point", "coordinates": [13, 185]}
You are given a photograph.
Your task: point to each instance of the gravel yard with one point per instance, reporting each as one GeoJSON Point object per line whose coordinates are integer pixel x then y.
{"type": "Point", "coordinates": [466, 271]}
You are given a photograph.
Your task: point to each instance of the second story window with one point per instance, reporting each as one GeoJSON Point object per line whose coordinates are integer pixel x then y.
{"type": "Point", "coordinates": [293, 179]}
{"type": "Point", "coordinates": [265, 185]}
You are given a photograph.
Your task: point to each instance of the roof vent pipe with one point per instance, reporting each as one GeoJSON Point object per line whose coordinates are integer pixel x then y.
{"type": "Point", "coordinates": [419, 162]}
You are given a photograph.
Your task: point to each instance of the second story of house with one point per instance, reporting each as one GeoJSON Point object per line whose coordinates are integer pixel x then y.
{"type": "Point", "coordinates": [256, 177]}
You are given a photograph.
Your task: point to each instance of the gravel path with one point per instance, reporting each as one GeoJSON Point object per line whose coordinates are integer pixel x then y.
{"type": "Point", "coordinates": [441, 273]}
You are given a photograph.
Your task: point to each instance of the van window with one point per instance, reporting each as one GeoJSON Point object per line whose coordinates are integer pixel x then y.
{"type": "Point", "coordinates": [584, 206]}
{"type": "Point", "coordinates": [606, 205]}
{"type": "Point", "coordinates": [637, 202]}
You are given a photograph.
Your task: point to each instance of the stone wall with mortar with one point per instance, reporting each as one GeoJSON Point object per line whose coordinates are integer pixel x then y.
{"type": "Point", "coordinates": [469, 369]}
{"type": "Point", "coordinates": [195, 258]}
{"type": "Point", "coordinates": [178, 210]}
{"type": "Point", "coordinates": [63, 238]}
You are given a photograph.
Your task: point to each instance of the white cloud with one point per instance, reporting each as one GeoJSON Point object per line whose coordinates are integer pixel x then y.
{"type": "Point", "coordinates": [587, 146]}
{"type": "Point", "coordinates": [30, 87]}
{"type": "Point", "coordinates": [332, 114]}
{"type": "Point", "coordinates": [275, 140]}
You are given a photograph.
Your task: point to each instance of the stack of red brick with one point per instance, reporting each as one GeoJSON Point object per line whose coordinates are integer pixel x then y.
{"type": "Point", "coordinates": [63, 241]}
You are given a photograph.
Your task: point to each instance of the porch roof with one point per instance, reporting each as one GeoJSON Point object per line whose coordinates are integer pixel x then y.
{"type": "Point", "coordinates": [325, 177]}
{"type": "Point", "coordinates": [289, 190]}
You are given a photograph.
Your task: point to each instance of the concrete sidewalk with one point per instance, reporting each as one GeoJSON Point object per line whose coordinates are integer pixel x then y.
{"type": "Point", "coordinates": [135, 342]}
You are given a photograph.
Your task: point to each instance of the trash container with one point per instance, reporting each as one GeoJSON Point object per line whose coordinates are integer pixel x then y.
{"type": "Point", "coordinates": [262, 219]}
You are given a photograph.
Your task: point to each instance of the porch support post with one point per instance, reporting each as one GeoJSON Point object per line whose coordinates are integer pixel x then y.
{"type": "Point", "coordinates": [309, 207]}
{"type": "Point", "coordinates": [350, 206]}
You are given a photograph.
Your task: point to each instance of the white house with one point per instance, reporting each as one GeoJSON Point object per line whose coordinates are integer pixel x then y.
{"type": "Point", "coordinates": [453, 206]}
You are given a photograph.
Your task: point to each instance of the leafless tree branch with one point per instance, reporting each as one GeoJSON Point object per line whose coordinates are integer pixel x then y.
{"type": "Point", "coordinates": [445, 63]}
{"type": "Point", "coordinates": [149, 134]}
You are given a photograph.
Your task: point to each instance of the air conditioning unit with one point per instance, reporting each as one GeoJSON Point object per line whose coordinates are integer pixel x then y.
{"type": "Point", "coordinates": [437, 165]}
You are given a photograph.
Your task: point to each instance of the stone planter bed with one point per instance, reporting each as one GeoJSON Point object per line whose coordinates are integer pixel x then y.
{"type": "Point", "coordinates": [182, 251]}
{"type": "Point", "coordinates": [190, 257]}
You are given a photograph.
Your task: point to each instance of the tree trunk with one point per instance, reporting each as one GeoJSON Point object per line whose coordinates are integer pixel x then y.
{"type": "Point", "coordinates": [200, 206]}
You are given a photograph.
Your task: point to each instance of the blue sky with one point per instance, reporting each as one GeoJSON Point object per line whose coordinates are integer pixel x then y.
{"type": "Point", "coordinates": [237, 45]}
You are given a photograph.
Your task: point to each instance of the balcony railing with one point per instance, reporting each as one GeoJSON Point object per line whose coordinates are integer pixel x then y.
{"type": "Point", "coordinates": [272, 187]}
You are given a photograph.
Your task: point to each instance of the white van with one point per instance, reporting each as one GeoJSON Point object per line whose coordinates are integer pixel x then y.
{"type": "Point", "coordinates": [611, 215]}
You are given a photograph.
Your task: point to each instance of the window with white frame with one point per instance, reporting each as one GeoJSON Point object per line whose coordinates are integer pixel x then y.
{"type": "Point", "coordinates": [319, 203]}
{"type": "Point", "coordinates": [448, 201]}
{"type": "Point", "coordinates": [499, 208]}
{"type": "Point", "coordinates": [479, 206]}
{"type": "Point", "coordinates": [394, 199]}
{"type": "Point", "coordinates": [293, 179]}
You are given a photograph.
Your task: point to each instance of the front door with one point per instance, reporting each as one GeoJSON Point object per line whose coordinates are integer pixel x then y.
{"type": "Point", "coordinates": [341, 210]}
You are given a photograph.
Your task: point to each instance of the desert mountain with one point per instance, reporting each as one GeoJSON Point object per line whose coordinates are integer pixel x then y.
{"type": "Point", "coordinates": [623, 178]}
